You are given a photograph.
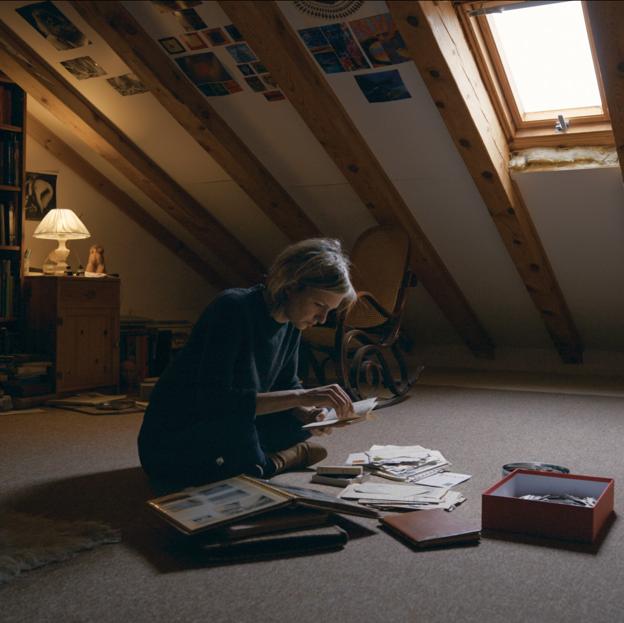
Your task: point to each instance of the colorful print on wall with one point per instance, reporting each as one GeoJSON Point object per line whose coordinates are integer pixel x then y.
{"type": "Point", "coordinates": [216, 36]}
{"type": "Point", "coordinates": [381, 41]}
{"type": "Point", "coordinates": [233, 32]}
{"type": "Point", "coordinates": [189, 19]}
{"type": "Point", "coordinates": [46, 19]}
{"type": "Point", "coordinates": [193, 41]}
{"type": "Point", "coordinates": [127, 84]}
{"type": "Point", "coordinates": [40, 195]}
{"type": "Point", "coordinates": [169, 6]}
{"type": "Point", "coordinates": [334, 48]}
{"type": "Point", "coordinates": [274, 96]}
{"type": "Point", "coordinates": [256, 84]}
{"type": "Point", "coordinates": [172, 45]}
{"type": "Point", "coordinates": [382, 86]}
{"type": "Point", "coordinates": [241, 53]}
{"type": "Point", "coordinates": [246, 69]}
{"type": "Point", "coordinates": [83, 68]}
{"type": "Point", "coordinates": [207, 72]}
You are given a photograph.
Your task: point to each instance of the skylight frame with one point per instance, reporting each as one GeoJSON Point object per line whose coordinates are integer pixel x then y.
{"type": "Point", "coordinates": [588, 126]}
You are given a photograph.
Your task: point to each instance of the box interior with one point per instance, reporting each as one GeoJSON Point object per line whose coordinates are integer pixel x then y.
{"type": "Point", "coordinates": [524, 484]}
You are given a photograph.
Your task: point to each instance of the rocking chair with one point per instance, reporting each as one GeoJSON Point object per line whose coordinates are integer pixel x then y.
{"type": "Point", "coordinates": [367, 340]}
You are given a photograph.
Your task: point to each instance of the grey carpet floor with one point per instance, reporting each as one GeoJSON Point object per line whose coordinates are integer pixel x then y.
{"type": "Point", "coordinates": [71, 465]}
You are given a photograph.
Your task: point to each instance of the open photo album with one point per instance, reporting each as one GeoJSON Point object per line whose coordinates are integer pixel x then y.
{"type": "Point", "coordinates": [210, 506]}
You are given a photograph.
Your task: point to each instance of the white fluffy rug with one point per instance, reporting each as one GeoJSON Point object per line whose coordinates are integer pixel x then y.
{"type": "Point", "coordinates": [28, 542]}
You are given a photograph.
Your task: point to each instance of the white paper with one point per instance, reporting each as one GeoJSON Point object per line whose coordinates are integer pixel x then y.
{"type": "Point", "coordinates": [444, 479]}
{"type": "Point", "coordinates": [361, 408]}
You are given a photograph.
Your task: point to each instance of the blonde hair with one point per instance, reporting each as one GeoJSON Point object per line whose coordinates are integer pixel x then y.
{"type": "Point", "coordinates": [314, 263]}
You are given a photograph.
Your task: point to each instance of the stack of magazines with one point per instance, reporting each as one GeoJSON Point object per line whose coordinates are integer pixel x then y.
{"type": "Point", "coordinates": [244, 518]}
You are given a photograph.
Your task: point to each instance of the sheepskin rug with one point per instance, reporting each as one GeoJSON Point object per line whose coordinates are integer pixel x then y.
{"type": "Point", "coordinates": [28, 542]}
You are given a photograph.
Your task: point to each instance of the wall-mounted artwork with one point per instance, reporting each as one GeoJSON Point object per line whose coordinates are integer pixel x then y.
{"type": "Point", "coordinates": [269, 81]}
{"type": "Point", "coordinates": [334, 48]}
{"type": "Point", "coordinates": [274, 96]}
{"type": "Point", "coordinates": [246, 69]}
{"type": "Point", "coordinates": [189, 19]}
{"type": "Point", "coordinates": [193, 41]}
{"type": "Point", "coordinates": [46, 19]}
{"type": "Point", "coordinates": [40, 196]}
{"type": "Point", "coordinates": [172, 45]}
{"type": "Point", "coordinates": [381, 41]}
{"type": "Point", "coordinates": [241, 53]}
{"type": "Point", "coordinates": [328, 9]}
{"type": "Point", "coordinates": [216, 36]}
{"type": "Point", "coordinates": [207, 72]}
{"type": "Point", "coordinates": [83, 68]}
{"type": "Point", "coordinates": [233, 32]}
{"type": "Point", "coordinates": [383, 86]}
{"type": "Point", "coordinates": [256, 84]}
{"type": "Point", "coordinates": [127, 84]}
{"type": "Point", "coordinates": [169, 6]}
{"type": "Point", "coordinates": [259, 68]}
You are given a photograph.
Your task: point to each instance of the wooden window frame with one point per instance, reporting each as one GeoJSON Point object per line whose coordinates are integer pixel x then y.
{"type": "Point", "coordinates": [524, 130]}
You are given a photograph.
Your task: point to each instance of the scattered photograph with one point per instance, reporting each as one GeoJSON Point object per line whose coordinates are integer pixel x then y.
{"type": "Point", "coordinates": [233, 32]}
{"type": "Point", "coordinates": [203, 68]}
{"type": "Point", "coordinates": [329, 62]}
{"type": "Point", "coordinates": [46, 19]}
{"type": "Point", "coordinates": [172, 45]}
{"type": "Point", "coordinates": [381, 41]}
{"type": "Point", "coordinates": [259, 68]}
{"type": "Point", "coordinates": [274, 96]}
{"type": "Point", "coordinates": [83, 68]}
{"type": "Point", "coordinates": [382, 86]}
{"type": "Point", "coordinates": [127, 84]}
{"type": "Point", "coordinates": [270, 81]}
{"type": "Point", "coordinates": [216, 36]}
{"type": "Point", "coordinates": [169, 6]}
{"type": "Point", "coordinates": [256, 84]}
{"type": "Point", "coordinates": [241, 53]}
{"type": "Point", "coordinates": [246, 69]}
{"type": "Point", "coordinates": [189, 19]}
{"type": "Point", "coordinates": [334, 39]}
{"type": "Point", "coordinates": [40, 195]}
{"type": "Point", "coordinates": [193, 41]}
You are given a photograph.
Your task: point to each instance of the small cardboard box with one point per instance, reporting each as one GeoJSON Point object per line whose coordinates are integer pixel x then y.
{"type": "Point", "coordinates": [503, 511]}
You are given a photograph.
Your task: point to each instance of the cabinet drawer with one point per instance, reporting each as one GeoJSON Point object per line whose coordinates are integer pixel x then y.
{"type": "Point", "coordinates": [88, 293]}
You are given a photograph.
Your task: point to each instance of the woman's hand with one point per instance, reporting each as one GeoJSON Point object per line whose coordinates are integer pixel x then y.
{"type": "Point", "coordinates": [330, 397]}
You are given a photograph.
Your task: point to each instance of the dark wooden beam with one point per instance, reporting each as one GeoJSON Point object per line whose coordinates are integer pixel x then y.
{"type": "Point", "coordinates": [437, 45]}
{"type": "Point", "coordinates": [607, 26]}
{"type": "Point", "coordinates": [25, 67]}
{"type": "Point", "coordinates": [146, 58]}
{"type": "Point", "coordinates": [126, 204]}
{"type": "Point", "coordinates": [269, 34]}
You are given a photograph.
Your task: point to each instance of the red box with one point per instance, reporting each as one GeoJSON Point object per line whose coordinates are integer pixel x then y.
{"type": "Point", "coordinates": [503, 511]}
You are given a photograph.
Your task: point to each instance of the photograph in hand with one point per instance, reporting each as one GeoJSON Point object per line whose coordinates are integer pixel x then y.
{"type": "Point", "coordinates": [362, 410]}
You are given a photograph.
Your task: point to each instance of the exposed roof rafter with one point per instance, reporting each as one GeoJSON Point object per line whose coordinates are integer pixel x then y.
{"type": "Point", "coordinates": [100, 183]}
{"type": "Point", "coordinates": [607, 25]}
{"type": "Point", "coordinates": [437, 45]}
{"type": "Point", "coordinates": [25, 67]}
{"type": "Point", "coordinates": [269, 34]}
{"type": "Point", "coordinates": [146, 58]}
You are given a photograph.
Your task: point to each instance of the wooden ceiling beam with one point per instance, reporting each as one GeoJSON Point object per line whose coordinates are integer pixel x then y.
{"type": "Point", "coordinates": [156, 69]}
{"type": "Point", "coordinates": [607, 24]}
{"type": "Point", "coordinates": [25, 67]}
{"type": "Point", "coordinates": [437, 45]}
{"type": "Point", "coordinates": [126, 204]}
{"type": "Point", "coordinates": [278, 46]}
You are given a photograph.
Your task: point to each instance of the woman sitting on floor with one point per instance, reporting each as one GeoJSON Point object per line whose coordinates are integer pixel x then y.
{"type": "Point", "coordinates": [231, 401]}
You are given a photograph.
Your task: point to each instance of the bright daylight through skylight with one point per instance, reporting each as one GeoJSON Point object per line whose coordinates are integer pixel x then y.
{"type": "Point", "coordinates": [547, 56]}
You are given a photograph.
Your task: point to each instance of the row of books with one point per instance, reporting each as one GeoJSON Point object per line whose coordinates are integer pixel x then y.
{"type": "Point", "coordinates": [8, 229]}
{"type": "Point", "coordinates": [25, 375]}
{"type": "Point", "coordinates": [8, 108]}
{"type": "Point", "coordinates": [10, 157]}
{"type": "Point", "coordinates": [8, 289]}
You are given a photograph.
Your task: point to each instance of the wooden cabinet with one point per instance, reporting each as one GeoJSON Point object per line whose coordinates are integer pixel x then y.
{"type": "Point", "coordinates": [75, 320]}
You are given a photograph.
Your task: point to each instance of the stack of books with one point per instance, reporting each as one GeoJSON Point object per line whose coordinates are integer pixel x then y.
{"type": "Point", "coordinates": [244, 518]}
{"type": "Point", "coordinates": [24, 375]}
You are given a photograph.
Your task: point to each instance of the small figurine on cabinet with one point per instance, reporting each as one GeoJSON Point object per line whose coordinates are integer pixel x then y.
{"type": "Point", "coordinates": [95, 264]}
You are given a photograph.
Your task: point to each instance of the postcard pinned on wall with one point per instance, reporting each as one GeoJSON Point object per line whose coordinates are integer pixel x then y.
{"type": "Point", "coordinates": [172, 45]}
{"type": "Point", "coordinates": [193, 41]}
{"type": "Point", "coordinates": [216, 36]}
{"type": "Point", "coordinates": [241, 53]}
{"type": "Point", "coordinates": [382, 86]}
{"type": "Point", "coordinates": [233, 32]}
{"type": "Point", "coordinates": [381, 41]}
{"type": "Point", "coordinates": [189, 19]}
{"type": "Point", "coordinates": [334, 48]}
{"type": "Point", "coordinates": [127, 84]}
{"type": "Point", "coordinates": [83, 68]}
{"type": "Point", "coordinates": [207, 72]}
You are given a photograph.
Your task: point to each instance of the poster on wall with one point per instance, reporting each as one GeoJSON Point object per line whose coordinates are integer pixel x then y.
{"type": "Point", "coordinates": [381, 41]}
{"type": "Point", "coordinates": [40, 194]}
{"type": "Point", "coordinates": [383, 86]}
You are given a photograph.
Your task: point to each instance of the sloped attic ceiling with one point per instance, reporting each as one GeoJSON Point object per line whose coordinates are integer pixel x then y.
{"type": "Point", "coordinates": [413, 147]}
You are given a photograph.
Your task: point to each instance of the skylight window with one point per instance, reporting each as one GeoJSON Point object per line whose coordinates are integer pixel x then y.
{"type": "Point", "coordinates": [546, 52]}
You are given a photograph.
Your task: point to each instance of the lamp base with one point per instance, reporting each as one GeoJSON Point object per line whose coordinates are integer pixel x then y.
{"type": "Point", "coordinates": [56, 262]}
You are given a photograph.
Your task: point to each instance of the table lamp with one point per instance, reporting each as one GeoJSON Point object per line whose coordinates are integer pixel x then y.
{"type": "Point", "coordinates": [61, 225]}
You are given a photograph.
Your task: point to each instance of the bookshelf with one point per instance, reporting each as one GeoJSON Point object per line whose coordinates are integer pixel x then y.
{"type": "Point", "coordinates": [12, 179]}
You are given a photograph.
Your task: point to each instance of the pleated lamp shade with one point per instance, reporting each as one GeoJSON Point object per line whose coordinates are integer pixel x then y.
{"type": "Point", "coordinates": [60, 224]}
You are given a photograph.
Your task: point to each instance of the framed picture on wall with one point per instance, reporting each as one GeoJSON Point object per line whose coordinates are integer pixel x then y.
{"type": "Point", "coordinates": [40, 194]}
